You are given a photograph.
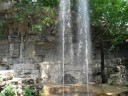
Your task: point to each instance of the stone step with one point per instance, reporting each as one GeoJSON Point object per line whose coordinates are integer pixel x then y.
{"type": "Point", "coordinates": [69, 88]}
{"type": "Point", "coordinates": [73, 90]}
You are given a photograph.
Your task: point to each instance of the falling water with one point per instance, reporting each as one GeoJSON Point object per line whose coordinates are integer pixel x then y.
{"type": "Point", "coordinates": [83, 38]}
{"type": "Point", "coordinates": [11, 50]}
{"type": "Point", "coordinates": [21, 50]}
{"type": "Point", "coordinates": [84, 45]}
{"type": "Point", "coordinates": [64, 17]}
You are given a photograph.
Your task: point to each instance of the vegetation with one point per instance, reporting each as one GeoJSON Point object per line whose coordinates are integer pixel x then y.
{"type": "Point", "coordinates": [9, 90]}
{"type": "Point", "coordinates": [36, 14]}
{"type": "Point", "coordinates": [27, 92]}
{"type": "Point", "coordinates": [111, 16]}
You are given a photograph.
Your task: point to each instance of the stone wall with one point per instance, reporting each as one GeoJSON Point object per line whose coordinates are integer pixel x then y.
{"type": "Point", "coordinates": [116, 64]}
{"type": "Point", "coordinates": [40, 60]}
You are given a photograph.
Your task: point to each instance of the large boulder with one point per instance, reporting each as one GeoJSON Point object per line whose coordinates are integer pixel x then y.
{"type": "Point", "coordinates": [68, 79]}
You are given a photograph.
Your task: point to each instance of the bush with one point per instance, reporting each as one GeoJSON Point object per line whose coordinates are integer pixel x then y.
{"type": "Point", "coordinates": [9, 90]}
{"type": "Point", "coordinates": [27, 92]}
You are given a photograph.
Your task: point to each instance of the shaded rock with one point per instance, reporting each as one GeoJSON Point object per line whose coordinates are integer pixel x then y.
{"type": "Point", "coordinates": [123, 94]}
{"type": "Point", "coordinates": [30, 81]}
{"type": "Point", "coordinates": [68, 79]}
{"type": "Point", "coordinates": [36, 89]}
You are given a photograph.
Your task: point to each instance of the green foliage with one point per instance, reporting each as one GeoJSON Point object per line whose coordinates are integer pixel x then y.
{"type": "Point", "coordinates": [8, 91]}
{"type": "Point", "coordinates": [51, 3]}
{"type": "Point", "coordinates": [27, 92]}
{"type": "Point", "coordinates": [40, 13]}
{"type": "Point", "coordinates": [112, 16]}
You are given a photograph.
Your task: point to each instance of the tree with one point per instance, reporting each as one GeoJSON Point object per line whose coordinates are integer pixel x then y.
{"type": "Point", "coordinates": [36, 14]}
{"type": "Point", "coordinates": [111, 15]}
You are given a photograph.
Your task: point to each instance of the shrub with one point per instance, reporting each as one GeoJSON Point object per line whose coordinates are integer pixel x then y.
{"type": "Point", "coordinates": [9, 90]}
{"type": "Point", "coordinates": [27, 92]}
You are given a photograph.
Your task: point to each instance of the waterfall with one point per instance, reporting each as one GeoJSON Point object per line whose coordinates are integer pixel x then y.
{"type": "Point", "coordinates": [84, 45]}
{"type": "Point", "coordinates": [11, 50]}
{"type": "Point", "coordinates": [65, 25]}
{"type": "Point", "coordinates": [21, 50]}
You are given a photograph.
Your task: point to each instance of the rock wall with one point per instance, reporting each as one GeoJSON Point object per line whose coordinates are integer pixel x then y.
{"type": "Point", "coordinates": [40, 60]}
{"type": "Point", "coordinates": [116, 64]}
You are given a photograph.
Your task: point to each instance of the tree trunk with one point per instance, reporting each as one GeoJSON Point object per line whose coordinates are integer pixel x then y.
{"type": "Point", "coordinates": [103, 76]}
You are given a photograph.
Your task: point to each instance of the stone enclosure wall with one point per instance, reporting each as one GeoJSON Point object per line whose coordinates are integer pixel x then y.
{"type": "Point", "coordinates": [40, 60]}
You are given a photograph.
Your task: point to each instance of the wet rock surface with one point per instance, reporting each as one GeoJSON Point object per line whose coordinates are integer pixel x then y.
{"type": "Point", "coordinates": [123, 94]}
{"type": "Point", "coordinates": [81, 90]}
{"type": "Point", "coordinates": [69, 79]}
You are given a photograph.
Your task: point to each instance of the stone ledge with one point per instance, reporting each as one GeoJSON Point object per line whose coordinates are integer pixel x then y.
{"type": "Point", "coordinates": [101, 90]}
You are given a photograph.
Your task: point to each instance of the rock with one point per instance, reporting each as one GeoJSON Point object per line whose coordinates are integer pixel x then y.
{"type": "Point", "coordinates": [44, 70]}
{"type": "Point", "coordinates": [16, 81]}
{"type": "Point", "coordinates": [35, 90]}
{"type": "Point", "coordinates": [28, 81]}
{"type": "Point", "coordinates": [68, 79]}
{"type": "Point", "coordinates": [3, 83]}
{"type": "Point", "coordinates": [4, 60]}
{"type": "Point", "coordinates": [71, 90]}
{"type": "Point", "coordinates": [5, 78]}
{"type": "Point", "coordinates": [7, 74]}
{"type": "Point", "coordinates": [50, 38]}
{"type": "Point", "coordinates": [123, 94]}
{"type": "Point", "coordinates": [31, 81]}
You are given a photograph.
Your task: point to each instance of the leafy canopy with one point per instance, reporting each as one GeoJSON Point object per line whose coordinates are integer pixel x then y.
{"type": "Point", "coordinates": [38, 13]}
{"type": "Point", "coordinates": [42, 11]}
{"type": "Point", "coordinates": [112, 16]}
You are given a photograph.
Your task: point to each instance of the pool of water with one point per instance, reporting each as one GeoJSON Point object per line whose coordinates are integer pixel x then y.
{"type": "Point", "coordinates": [75, 94]}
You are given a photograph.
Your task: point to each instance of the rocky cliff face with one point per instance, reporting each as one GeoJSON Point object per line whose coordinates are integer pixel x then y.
{"type": "Point", "coordinates": [40, 60]}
